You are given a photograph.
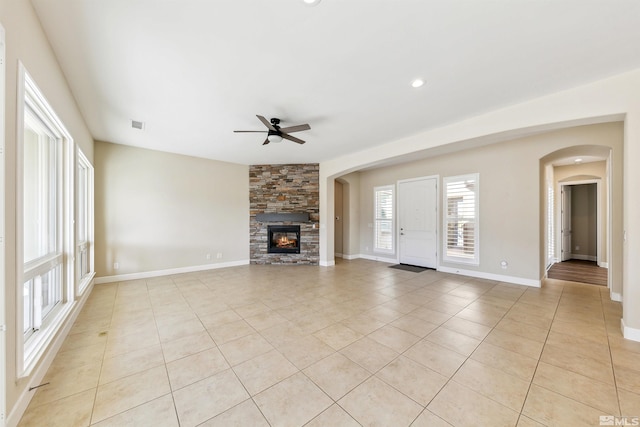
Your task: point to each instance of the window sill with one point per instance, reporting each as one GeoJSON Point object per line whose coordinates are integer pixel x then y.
{"type": "Point", "coordinates": [84, 283]}
{"type": "Point", "coordinates": [36, 345]}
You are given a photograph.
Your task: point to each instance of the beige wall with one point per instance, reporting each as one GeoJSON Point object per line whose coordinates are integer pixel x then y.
{"type": "Point", "coordinates": [351, 215]}
{"type": "Point", "coordinates": [26, 42]}
{"type": "Point", "coordinates": [510, 190]}
{"type": "Point", "coordinates": [339, 217]}
{"type": "Point", "coordinates": [157, 211]}
{"type": "Point", "coordinates": [584, 221]}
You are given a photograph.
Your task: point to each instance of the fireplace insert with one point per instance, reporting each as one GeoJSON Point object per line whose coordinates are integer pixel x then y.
{"type": "Point", "coordinates": [284, 239]}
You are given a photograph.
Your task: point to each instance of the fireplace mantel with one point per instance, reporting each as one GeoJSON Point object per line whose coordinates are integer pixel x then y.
{"type": "Point", "coordinates": [283, 217]}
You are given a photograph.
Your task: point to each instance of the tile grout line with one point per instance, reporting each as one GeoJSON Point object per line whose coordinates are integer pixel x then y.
{"type": "Point", "coordinates": [450, 378]}
{"type": "Point", "coordinates": [613, 367]}
{"type": "Point", "coordinates": [482, 341]}
{"type": "Point", "coordinates": [540, 356]}
{"type": "Point", "coordinates": [577, 373]}
{"type": "Point", "coordinates": [95, 400]}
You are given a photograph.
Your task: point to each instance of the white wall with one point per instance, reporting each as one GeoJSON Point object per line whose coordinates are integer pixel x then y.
{"type": "Point", "coordinates": [612, 99]}
{"type": "Point", "coordinates": [159, 211]}
{"type": "Point", "coordinates": [26, 42]}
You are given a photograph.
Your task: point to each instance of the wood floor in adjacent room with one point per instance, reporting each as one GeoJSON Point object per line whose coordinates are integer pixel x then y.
{"type": "Point", "coordinates": [354, 344]}
{"type": "Point", "coordinates": [575, 270]}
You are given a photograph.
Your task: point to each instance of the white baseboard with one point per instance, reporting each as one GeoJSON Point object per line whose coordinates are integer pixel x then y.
{"type": "Point", "coordinates": [629, 333]}
{"type": "Point", "coordinates": [167, 272]}
{"type": "Point", "coordinates": [17, 411]}
{"type": "Point", "coordinates": [327, 263]}
{"type": "Point", "coordinates": [603, 264]}
{"type": "Point", "coordinates": [492, 276]}
{"type": "Point", "coordinates": [350, 257]}
{"type": "Point", "coordinates": [337, 255]}
{"type": "Point", "coordinates": [379, 258]}
{"type": "Point", "coordinates": [615, 296]}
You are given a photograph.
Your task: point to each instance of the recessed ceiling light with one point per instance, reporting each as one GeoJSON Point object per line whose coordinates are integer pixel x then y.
{"type": "Point", "coordinates": [578, 160]}
{"type": "Point", "coordinates": [417, 83]}
{"type": "Point", "coordinates": [311, 2]}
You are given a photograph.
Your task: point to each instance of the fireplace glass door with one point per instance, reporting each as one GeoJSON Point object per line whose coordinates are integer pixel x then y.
{"type": "Point", "coordinates": [284, 239]}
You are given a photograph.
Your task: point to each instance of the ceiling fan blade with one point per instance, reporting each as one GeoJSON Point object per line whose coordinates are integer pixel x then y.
{"type": "Point", "coordinates": [295, 128]}
{"type": "Point", "coordinates": [266, 141]}
{"type": "Point", "coordinates": [251, 131]}
{"type": "Point", "coordinates": [266, 122]}
{"type": "Point", "coordinates": [292, 138]}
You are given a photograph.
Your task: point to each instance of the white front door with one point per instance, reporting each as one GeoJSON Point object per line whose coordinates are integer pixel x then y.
{"type": "Point", "coordinates": [566, 222]}
{"type": "Point", "coordinates": [418, 223]}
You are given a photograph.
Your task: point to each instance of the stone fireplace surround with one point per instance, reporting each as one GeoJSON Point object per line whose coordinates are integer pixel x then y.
{"type": "Point", "coordinates": [284, 195]}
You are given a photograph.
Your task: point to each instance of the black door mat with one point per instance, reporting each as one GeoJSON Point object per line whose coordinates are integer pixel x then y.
{"type": "Point", "coordinates": [411, 268]}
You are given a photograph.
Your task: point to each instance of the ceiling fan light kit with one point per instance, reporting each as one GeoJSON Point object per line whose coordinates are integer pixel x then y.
{"type": "Point", "coordinates": [275, 133]}
{"type": "Point", "coordinates": [274, 137]}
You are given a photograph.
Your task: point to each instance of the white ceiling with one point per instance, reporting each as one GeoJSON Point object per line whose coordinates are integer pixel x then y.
{"type": "Point", "coordinates": [195, 70]}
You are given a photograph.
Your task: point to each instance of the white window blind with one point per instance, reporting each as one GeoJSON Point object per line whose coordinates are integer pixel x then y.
{"type": "Point", "coordinates": [461, 220]}
{"type": "Point", "coordinates": [383, 219]}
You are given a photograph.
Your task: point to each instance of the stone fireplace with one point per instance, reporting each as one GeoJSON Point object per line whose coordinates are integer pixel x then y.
{"type": "Point", "coordinates": [284, 197]}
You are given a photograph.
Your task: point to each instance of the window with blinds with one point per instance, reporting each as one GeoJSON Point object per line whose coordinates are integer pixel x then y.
{"type": "Point", "coordinates": [461, 219]}
{"type": "Point", "coordinates": [383, 219]}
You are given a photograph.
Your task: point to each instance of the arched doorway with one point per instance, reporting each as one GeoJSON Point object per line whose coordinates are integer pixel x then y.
{"type": "Point", "coordinates": [586, 173]}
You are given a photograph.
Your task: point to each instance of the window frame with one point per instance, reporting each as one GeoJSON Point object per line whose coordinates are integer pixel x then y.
{"type": "Point", "coordinates": [31, 346]}
{"type": "Point", "coordinates": [458, 256]}
{"type": "Point", "coordinates": [377, 221]}
{"type": "Point", "coordinates": [84, 223]}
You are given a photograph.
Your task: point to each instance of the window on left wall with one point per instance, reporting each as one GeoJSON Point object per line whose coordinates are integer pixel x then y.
{"type": "Point", "coordinates": [45, 215]}
{"type": "Point", "coordinates": [84, 223]}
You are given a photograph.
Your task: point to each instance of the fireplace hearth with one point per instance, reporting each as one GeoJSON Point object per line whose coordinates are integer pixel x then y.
{"type": "Point", "coordinates": [283, 239]}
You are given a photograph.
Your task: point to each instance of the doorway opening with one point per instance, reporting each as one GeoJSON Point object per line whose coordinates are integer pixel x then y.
{"type": "Point", "coordinates": [580, 234]}
{"type": "Point", "coordinates": [577, 212]}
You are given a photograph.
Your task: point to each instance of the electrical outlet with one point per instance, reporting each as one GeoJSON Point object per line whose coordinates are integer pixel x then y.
{"type": "Point", "coordinates": [504, 265]}
{"type": "Point", "coordinates": [116, 265]}
{"type": "Point", "coordinates": [219, 255]}
{"type": "Point", "coordinates": [208, 256]}
{"type": "Point", "coordinates": [577, 247]}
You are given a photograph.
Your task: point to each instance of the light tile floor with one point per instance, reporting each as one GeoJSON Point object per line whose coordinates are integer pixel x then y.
{"type": "Point", "coordinates": [354, 344]}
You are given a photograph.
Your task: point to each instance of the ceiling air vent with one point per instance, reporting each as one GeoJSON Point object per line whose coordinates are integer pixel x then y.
{"type": "Point", "coordinates": [137, 125]}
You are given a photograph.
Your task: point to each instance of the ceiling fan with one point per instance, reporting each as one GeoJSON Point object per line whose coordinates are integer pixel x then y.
{"type": "Point", "coordinates": [275, 133]}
